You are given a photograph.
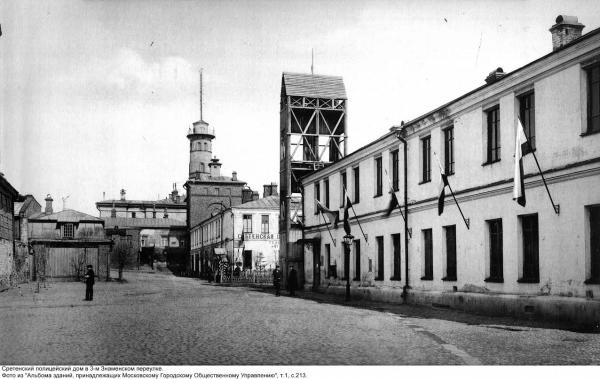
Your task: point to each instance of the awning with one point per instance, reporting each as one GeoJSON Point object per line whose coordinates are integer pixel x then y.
{"type": "Point", "coordinates": [220, 251]}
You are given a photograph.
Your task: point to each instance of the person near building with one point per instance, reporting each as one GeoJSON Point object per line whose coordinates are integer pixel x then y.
{"type": "Point", "coordinates": [89, 283]}
{"type": "Point", "coordinates": [277, 279]}
{"type": "Point", "coordinates": [293, 281]}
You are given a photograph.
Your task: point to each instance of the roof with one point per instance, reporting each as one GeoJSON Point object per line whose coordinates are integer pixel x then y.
{"type": "Point", "coordinates": [68, 215]}
{"type": "Point", "coordinates": [160, 204]}
{"type": "Point", "coordinates": [122, 222]}
{"type": "Point", "coordinates": [28, 203]}
{"type": "Point", "coordinates": [17, 208]}
{"type": "Point", "coordinates": [308, 85]}
{"type": "Point", "coordinates": [269, 202]}
{"type": "Point", "coordinates": [4, 184]}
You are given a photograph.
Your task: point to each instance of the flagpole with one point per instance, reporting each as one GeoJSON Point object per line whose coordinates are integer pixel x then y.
{"type": "Point", "coordinates": [356, 217]}
{"type": "Point", "coordinates": [554, 206]}
{"type": "Point", "coordinates": [392, 191]}
{"type": "Point", "coordinates": [452, 192]}
{"type": "Point", "coordinates": [327, 225]}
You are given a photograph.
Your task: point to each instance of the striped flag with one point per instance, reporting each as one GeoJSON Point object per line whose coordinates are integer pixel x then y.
{"type": "Point", "coordinates": [519, 186]}
{"type": "Point", "coordinates": [442, 197]}
{"type": "Point", "coordinates": [333, 216]}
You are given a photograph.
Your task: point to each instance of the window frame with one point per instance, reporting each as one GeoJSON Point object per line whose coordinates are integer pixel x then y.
{"type": "Point", "coordinates": [427, 236]}
{"type": "Point", "coordinates": [527, 117]}
{"type": "Point", "coordinates": [343, 187]}
{"type": "Point", "coordinates": [448, 134]}
{"type": "Point", "coordinates": [395, 168]}
{"type": "Point", "coordinates": [589, 93]}
{"type": "Point", "coordinates": [356, 179]}
{"type": "Point", "coordinates": [530, 257]}
{"type": "Point", "coordinates": [326, 185]}
{"type": "Point", "coordinates": [262, 224]}
{"type": "Point", "coordinates": [425, 159]}
{"type": "Point", "coordinates": [493, 145]}
{"type": "Point", "coordinates": [356, 245]}
{"type": "Point", "coordinates": [317, 194]}
{"type": "Point", "coordinates": [246, 220]}
{"type": "Point", "coordinates": [451, 253]}
{"type": "Point", "coordinates": [380, 258]}
{"type": "Point", "coordinates": [397, 256]}
{"type": "Point", "coordinates": [378, 176]}
{"type": "Point", "coordinates": [68, 230]}
{"type": "Point", "coordinates": [495, 251]}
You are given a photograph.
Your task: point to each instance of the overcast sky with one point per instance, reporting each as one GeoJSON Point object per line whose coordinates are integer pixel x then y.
{"type": "Point", "coordinates": [99, 95]}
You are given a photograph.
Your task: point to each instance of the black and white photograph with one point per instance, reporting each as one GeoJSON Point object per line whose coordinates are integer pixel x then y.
{"type": "Point", "coordinates": [299, 189]}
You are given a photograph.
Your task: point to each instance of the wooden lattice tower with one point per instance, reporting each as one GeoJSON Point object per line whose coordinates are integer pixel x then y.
{"type": "Point", "coordinates": [313, 134]}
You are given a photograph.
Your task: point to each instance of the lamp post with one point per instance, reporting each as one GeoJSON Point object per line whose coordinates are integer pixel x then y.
{"type": "Point", "coordinates": [347, 243]}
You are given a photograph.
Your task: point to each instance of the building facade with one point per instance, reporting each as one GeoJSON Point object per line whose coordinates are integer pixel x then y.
{"type": "Point", "coordinates": [502, 258]}
{"type": "Point", "coordinates": [244, 236]}
{"type": "Point", "coordinates": [8, 195]}
{"type": "Point", "coordinates": [25, 208]}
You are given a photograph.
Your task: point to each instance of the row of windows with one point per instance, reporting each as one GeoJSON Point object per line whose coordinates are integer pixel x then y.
{"type": "Point", "coordinates": [529, 259]}
{"type": "Point", "coordinates": [213, 230]}
{"type": "Point", "coordinates": [165, 214]}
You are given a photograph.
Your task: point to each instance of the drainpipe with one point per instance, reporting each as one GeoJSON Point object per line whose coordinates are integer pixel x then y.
{"type": "Point", "coordinates": [406, 287]}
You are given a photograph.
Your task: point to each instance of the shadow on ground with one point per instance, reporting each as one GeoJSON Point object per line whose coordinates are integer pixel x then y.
{"type": "Point", "coordinates": [432, 312]}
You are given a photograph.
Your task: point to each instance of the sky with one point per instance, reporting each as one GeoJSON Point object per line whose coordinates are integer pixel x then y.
{"type": "Point", "coordinates": [99, 95]}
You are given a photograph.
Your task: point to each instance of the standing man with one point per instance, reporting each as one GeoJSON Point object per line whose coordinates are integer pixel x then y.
{"type": "Point", "coordinates": [293, 281]}
{"type": "Point", "coordinates": [89, 284]}
{"type": "Point", "coordinates": [277, 279]}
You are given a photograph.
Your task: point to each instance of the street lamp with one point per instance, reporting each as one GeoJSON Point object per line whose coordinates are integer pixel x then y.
{"type": "Point", "coordinates": [347, 243]}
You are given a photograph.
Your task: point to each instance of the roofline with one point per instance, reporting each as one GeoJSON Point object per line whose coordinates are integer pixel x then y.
{"type": "Point", "coordinates": [424, 116]}
{"type": "Point", "coordinates": [301, 73]}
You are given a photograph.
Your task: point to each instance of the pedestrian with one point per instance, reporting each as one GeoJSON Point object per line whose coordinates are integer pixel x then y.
{"type": "Point", "coordinates": [293, 281]}
{"type": "Point", "coordinates": [89, 284]}
{"type": "Point", "coordinates": [277, 279]}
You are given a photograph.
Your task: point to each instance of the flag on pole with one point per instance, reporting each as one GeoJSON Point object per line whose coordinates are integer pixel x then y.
{"type": "Point", "coordinates": [393, 204]}
{"type": "Point", "coordinates": [519, 185]}
{"type": "Point", "coordinates": [442, 197]}
{"type": "Point", "coordinates": [347, 206]}
{"type": "Point", "coordinates": [332, 216]}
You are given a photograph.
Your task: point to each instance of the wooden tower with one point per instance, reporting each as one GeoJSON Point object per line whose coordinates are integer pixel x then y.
{"type": "Point", "coordinates": [313, 134]}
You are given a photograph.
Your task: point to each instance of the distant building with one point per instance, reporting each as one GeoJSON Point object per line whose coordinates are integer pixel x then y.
{"type": "Point", "coordinates": [532, 260]}
{"type": "Point", "coordinates": [64, 242]}
{"type": "Point", "coordinates": [245, 235]}
{"type": "Point", "coordinates": [8, 195]}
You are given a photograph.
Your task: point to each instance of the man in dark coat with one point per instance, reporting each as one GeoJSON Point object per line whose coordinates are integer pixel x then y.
{"type": "Point", "coordinates": [293, 281]}
{"type": "Point", "coordinates": [277, 280]}
{"type": "Point", "coordinates": [89, 284]}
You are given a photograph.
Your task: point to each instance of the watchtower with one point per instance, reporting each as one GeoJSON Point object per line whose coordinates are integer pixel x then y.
{"type": "Point", "coordinates": [313, 134]}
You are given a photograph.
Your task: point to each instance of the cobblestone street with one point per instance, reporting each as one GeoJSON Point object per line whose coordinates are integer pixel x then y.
{"type": "Point", "coordinates": [160, 319]}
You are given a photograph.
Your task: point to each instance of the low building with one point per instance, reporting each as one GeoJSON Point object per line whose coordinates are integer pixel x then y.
{"type": "Point", "coordinates": [244, 236]}
{"type": "Point", "coordinates": [8, 195]}
{"type": "Point", "coordinates": [25, 208]}
{"type": "Point", "coordinates": [64, 242]}
{"type": "Point", "coordinates": [540, 259]}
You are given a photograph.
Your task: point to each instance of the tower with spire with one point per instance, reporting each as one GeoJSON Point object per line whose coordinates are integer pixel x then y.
{"type": "Point", "coordinates": [200, 136]}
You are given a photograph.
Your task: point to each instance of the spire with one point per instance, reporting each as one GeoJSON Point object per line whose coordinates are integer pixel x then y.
{"type": "Point", "coordinates": [312, 61]}
{"type": "Point", "coordinates": [201, 119]}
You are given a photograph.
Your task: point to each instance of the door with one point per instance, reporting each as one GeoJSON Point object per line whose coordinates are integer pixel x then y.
{"type": "Point", "coordinates": [316, 265]}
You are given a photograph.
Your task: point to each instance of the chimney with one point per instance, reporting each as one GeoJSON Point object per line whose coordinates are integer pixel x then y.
{"type": "Point", "coordinates": [113, 211]}
{"type": "Point", "coordinates": [270, 189]}
{"type": "Point", "coordinates": [49, 200]}
{"type": "Point", "coordinates": [255, 196]}
{"type": "Point", "coordinates": [122, 194]}
{"type": "Point", "coordinates": [234, 176]}
{"type": "Point", "coordinates": [215, 167]}
{"type": "Point", "coordinates": [495, 75]}
{"type": "Point", "coordinates": [566, 29]}
{"type": "Point", "coordinates": [246, 195]}
{"type": "Point", "coordinates": [174, 193]}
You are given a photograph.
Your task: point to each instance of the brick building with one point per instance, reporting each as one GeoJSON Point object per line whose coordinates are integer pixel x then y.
{"type": "Point", "coordinates": [8, 195]}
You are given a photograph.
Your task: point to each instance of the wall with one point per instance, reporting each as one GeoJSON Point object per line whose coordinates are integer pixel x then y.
{"type": "Point", "coordinates": [202, 194]}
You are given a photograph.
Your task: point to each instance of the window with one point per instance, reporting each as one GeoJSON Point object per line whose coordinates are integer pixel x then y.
{"type": "Point", "coordinates": [378, 177]}
{"type": "Point", "coordinates": [356, 259]}
{"type": "Point", "coordinates": [397, 248]}
{"type": "Point", "coordinates": [450, 232]}
{"type": "Point", "coordinates": [163, 241]}
{"type": "Point", "coordinates": [132, 214]}
{"type": "Point", "coordinates": [593, 99]}
{"type": "Point", "coordinates": [594, 235]}
{"type": "Point", "coordinates": [331, 268]}
{"type": "Point", "coordinates": [68, 231]}
{"type": "Point", "coordinates": [449, 151]}
{"type": "Point", "coordinates": [310, 148]}
{"type": "Point", "coordinates": [427, 255]}
{"type": "Point", "coordinates": [264, 224]}
{"type": "Point", "coordinates": [317, 195]}
{"type": "Point", "coordinates": [247, 223]}
{"type": "Point", "coordinates": [531, 269]}
{"type": "Point", "coordinates": [356, 172]}
{"type": "Point", "coordinates": [493, 135]}
{"type": "Point", "coordinates": [344, 182]}
{"type": "Point", "coordinates": [379, 242]}
{"type": "Point", "coordinates": [496, 269]}
{"type": "Point", "coordinates": [426, 159]}
{"type": "Point", "coordinates": [346, 266]}
{"type": "Point", "coordinates": [327, 193]}
{"type": "Point", "coordinates": [154, 214]}
{"type": "Point", "coordinates": [394, 168]}
{"type": "Point", "coordinates": [527, 116]}
{"type": "Point", "coordinates": [247, 259]}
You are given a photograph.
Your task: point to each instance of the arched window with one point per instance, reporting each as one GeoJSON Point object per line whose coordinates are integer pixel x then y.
{"type": "Point", "coordinates": [201, 167]}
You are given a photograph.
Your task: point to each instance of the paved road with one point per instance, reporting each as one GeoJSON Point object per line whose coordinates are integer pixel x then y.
{"type": "Point", "coordinates": [160, 319]}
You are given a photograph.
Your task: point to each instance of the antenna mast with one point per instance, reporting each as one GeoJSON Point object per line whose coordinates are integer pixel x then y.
{"type": "Point", "coordinates": [201, 95]}
{"type": "Point", "coordinates": [312, 61]}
